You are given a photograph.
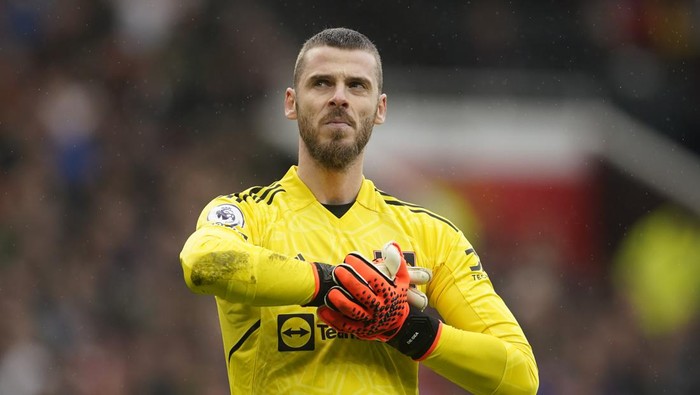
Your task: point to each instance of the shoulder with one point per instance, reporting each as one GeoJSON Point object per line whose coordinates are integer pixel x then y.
{"type": "Point", "coordinates": [406, 210]}
{"type": "Point", "coordinates": [233, 209]}
{"type": "Point", "coordinates": [258, 194]}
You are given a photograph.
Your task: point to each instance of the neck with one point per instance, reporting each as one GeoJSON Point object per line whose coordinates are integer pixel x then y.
{"type": "Point", "coordinates": [331, 186]}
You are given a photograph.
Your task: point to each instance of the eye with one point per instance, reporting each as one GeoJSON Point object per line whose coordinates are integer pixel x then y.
{"type": "Point", "coordinates": [321, 83]}
{"type": "Point", "coordinates": [357, 85]}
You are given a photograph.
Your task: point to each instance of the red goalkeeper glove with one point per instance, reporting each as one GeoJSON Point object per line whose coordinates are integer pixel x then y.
{"type": "Point", "coordinates": [417, 275]}
{"type": "Point", "coordinates": [373, 306]}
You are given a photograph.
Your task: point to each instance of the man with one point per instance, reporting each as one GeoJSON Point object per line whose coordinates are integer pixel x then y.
{"type": "Point", "coordinates": [260, 252]}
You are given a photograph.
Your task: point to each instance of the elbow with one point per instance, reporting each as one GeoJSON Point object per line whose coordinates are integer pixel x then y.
{"type": "Point", "coordinates": [197, 266]}
{"type": "Point", "coordinates": [528, 384]}
{"type": "Point", "coordinates": [203, 274]}
{"type": "Point", "coordinates": [533, 384]}
{"type": "Point", "coordinates": [198, 261]}
{"type": "Point", "coordinates": [209, 267]}
{"type": "Point", "coordinates": [188, 261]}
{"type": "Point", "coordinates": [523, 377]}
{"type": "Point", "coordinates": [530, 379]}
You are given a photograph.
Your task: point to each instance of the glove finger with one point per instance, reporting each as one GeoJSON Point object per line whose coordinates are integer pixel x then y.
{"type": "Point", "coordinates": [392, 256]}
{"type": "Point", "coordinates": [381, 286]}
{"type": "Point", "coordinates": [365, 268]}
{"type": "Point", "coordinates": [418, 275]}
{"type": "Point", "coordinates": [417, 299]}
{"type": "Point", "coordinates": [340, 322]}
{"type": "Point", "coordinates": [340, 301]}
{"type": "Point", "coordinates": [346, 275]}
{"type": "Point", "coordinates": [355, 285]}
{"type": "Point", "coordinates": [395, 262]}
{"type": "Point", "coordinates": [333, 318]}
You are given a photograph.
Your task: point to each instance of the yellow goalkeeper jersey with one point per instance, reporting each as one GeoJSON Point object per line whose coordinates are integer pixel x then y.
{"type": "Point", "coordinates": [252, 251]}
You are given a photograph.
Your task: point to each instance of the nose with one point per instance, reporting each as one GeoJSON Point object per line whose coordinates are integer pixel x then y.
{"type": "Point", "coordinates": [339, 97]}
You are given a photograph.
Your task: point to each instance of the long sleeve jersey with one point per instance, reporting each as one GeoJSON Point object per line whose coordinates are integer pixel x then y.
{"type": "Point", "coordinates": [252, 251]}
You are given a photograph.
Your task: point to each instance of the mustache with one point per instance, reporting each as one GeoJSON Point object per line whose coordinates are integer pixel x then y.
{"type": "Point", "coordinates": [338, 113]}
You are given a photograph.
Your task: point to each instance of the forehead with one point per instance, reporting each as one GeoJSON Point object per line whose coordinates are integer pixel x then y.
{"type": "Point", "coordinates": [339, 62]}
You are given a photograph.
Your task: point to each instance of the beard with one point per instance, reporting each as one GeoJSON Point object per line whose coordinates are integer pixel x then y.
{"type": "Point", "coordinates": [335, 154]}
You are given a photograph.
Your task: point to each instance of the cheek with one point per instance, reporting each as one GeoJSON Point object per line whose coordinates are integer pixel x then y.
{"type": "Point", "coordinates": [367, 112]}
{"type": "Point", "coordinates": [308, 108]}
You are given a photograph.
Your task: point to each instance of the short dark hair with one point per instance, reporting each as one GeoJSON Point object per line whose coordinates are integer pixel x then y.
{"type": "Point", "coordinates": [342, 38]}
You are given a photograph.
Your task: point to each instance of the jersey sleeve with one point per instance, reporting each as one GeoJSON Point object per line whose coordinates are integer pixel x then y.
{"type": "Point", "coordinates": [222, 258]}
{"type": "Point", "coordinates": [481, 347]}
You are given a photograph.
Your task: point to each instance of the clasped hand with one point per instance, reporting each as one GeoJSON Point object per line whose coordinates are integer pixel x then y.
{"type": "Point", "coordinates": [371, 299]}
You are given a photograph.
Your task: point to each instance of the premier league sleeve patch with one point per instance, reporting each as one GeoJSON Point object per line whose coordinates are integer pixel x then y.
{"type": "Point", "coordinates": [227, 215]}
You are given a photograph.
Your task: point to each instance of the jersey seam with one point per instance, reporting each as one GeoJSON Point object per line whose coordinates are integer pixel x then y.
{"type": "Point", "coordinates": [248, 333]}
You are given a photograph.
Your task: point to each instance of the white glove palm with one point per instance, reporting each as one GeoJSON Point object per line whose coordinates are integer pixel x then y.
{"type": "Point", "coordinates": [389, 265]}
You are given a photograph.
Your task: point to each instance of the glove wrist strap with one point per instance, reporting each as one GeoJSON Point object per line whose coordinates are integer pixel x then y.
{"type": "Point", "coordinates": [324, 273]}
{"type": "Point", "coordinates": [417, 335]}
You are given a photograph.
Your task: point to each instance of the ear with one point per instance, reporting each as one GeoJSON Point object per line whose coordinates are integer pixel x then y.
{"type": "Point", "coordinates": [381, 110]}
{"type": "Point", "coordinates": [290, 101]}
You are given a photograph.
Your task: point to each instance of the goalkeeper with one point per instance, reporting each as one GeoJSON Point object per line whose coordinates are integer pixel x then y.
{"type": "Point", "coordinates": [308, 300]}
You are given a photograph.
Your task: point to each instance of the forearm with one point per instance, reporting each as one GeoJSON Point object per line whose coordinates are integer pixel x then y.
{"type": "Point", "coordinates": [484, 364]}
{"type": "Point", "coordinates": [216, 262]}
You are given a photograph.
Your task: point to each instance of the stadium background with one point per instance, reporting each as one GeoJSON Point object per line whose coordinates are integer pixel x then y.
{"type": "Point", "coordinates": [561, 136]}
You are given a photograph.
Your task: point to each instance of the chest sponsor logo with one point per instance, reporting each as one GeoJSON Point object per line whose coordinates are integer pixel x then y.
{"type": "Point", "coordinates": [295, 332]}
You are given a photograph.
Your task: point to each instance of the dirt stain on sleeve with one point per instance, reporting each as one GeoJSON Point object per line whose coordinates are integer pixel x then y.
{"type": "Point", "coordinates": [277, 257]}
{"type": "Point", "coordinates": [221, 266]}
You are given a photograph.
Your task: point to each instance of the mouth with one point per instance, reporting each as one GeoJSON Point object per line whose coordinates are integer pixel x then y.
{"type": "Point", "coordinates": [336, 119]}
{"type": "Point", "coordinates": [338, 123]}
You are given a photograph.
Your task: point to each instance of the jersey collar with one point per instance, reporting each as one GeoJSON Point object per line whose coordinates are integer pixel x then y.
{"type": "Point", "coordinates": [304, 197]}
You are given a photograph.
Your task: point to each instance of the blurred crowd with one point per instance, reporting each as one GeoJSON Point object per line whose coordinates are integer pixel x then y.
{"type": "Point", "coordinates": [120, 119]}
